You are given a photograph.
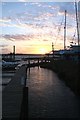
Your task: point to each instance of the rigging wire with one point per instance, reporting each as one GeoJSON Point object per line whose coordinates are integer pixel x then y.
{"type": "Point", "coordinates": [59, 30]}
{"type": "Point", "coordinates": [74, 36]}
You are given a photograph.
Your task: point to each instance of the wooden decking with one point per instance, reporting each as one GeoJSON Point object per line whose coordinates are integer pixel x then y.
{"type": "Point", "coordinates": [12, 95]}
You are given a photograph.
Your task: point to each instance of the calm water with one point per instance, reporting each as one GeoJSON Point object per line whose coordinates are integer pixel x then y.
{"type": "Point", "coordinates": [49, 97]}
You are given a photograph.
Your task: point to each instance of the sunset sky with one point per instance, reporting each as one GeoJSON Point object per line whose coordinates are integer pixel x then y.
{"type": "Point", "coordinates": [33, 26]}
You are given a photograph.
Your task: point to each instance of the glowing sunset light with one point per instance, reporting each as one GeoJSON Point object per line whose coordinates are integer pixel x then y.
{"type": "Point", "coordinates": [43, 50]}
{"type": "Point", "coordinates": [34, 26]}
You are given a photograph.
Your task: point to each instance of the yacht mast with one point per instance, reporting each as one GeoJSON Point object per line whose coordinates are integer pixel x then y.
{"type": "Point", "coordinates": [77, 21]}
{"type": "Point", "coordinates": [65, 31]}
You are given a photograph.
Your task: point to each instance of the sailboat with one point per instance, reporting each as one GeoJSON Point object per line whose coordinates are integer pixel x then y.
{"type": "Point", "coordinates": [76, 48]}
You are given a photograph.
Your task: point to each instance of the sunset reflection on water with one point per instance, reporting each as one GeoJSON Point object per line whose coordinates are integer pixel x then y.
{"type": "Point", "coordinates": [49, 97]}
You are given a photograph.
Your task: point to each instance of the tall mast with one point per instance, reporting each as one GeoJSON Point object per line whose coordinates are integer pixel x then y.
{"type": "Point", "coordinates": [77, 21]}
{"type": "Point", "coordinates": [53, 48]}
{"type": "Point", "coordinates": [65, 32]}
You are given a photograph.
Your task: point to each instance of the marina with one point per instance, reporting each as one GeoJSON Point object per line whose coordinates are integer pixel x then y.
{"type": "Point", "coordinates": [48, 97]}
{"type": "Point", "coordinates": [40, 61]}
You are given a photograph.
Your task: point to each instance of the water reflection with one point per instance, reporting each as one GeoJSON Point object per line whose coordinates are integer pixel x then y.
{"type": "Point", "coordinates": [49, 97]}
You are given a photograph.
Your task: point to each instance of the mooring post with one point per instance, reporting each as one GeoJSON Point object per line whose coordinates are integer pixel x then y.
{"type": "Point", "coordinates": [25, 82]}
{"type": "Point", "coordinates": [24, 105]}
{"type": "Point", "coordinates": [29, 62]}
{"type": "Point", "coordinates": [38, 61]}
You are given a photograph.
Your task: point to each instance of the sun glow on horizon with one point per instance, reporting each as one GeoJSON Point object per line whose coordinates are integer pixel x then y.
{"type": "Point", "coordinates": [42, 50]}
{"type": "Point", "coordinates": [32, 29]}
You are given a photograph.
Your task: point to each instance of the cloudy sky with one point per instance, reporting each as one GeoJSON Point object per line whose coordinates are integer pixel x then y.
{"type": "Point", "coordinates": [33, 26]}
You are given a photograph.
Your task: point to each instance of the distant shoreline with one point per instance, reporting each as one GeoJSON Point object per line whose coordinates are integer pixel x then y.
{"type": "Point", "coordinates": [24, 54]}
